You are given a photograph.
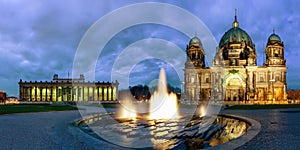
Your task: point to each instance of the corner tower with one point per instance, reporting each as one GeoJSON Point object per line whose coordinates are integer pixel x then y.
{"type": "Point", "coordinates": [195, 54]}
{"type": "Point", "coordinates": [194, 70]}
{"type": "Point", "coordinates": [275, 51]}
{"type": "Point", "coordinates": [276, 64]}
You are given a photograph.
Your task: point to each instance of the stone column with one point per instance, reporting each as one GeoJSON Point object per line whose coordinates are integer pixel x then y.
{"type": "Point", "coordinates": [251, 80]}
{"type": "Point", "coordinates": [57, 93]}
{"type": "Point", "coordinates": [107, 94]}
{"type": "Point", "coordinates": [103, 93]}
{"type": "Point", "coordinates": [115, 93]}
{"type": "Point", "coordinates": [35, 93]}
{"type": "Point", "coordinates": [62, 93]}
{"type": "Point", "coordinates": [82, 92]}
{"type": "Point", "coordinates": [30, 93]}
{"type": "Point", "coordinates": [88, 91]}
{"type": "Point", "coordinates": [93, 93]}
{"type": "Point", "coordinates": [47, 94]}
{"type": "Point", "coordinates": [78, 91]}
{"type": "Point", "coordinates": [98, 93]}
{"type": "Point", "coordinates": [41, 94]}
{"type": "Point", "coordinates": [112, 93]}
{"type": "Point", "coordinates": [93, 89]}
{"type": "Point", "coordinates": [72, 93]}
{"type": "Point", "coordinates": [51, 94]}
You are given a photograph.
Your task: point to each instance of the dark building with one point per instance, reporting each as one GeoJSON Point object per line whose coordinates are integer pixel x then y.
{"type": "Point", "coordinates": [2, 95]}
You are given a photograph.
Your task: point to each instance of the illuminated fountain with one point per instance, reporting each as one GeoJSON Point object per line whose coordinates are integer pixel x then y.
{"type": "Point", "coordinates": [202, 111]}
{"type": "Point", "coordinates": [162, 104]}
{"type": "Point", "coordinates": [127, 110]}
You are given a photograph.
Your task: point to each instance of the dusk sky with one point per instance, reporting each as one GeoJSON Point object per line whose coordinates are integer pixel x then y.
{"type": "Point", "coordinates": [39, 38]}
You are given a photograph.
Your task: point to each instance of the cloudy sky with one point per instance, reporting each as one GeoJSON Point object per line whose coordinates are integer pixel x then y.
{"type": "Point", "coordinates": [39, 38]}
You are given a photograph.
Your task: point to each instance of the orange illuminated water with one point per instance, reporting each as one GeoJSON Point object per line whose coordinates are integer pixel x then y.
{"type": "Point", "coordinates": [127, 109]}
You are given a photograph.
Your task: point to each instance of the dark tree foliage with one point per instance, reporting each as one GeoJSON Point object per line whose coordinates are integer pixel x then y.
{"type": "Point", "coordinates": [2, 95]}
{"type": "Point", "coordinates": [143, 92]}
{"type": "Point", "coordinates": [140, 92]}
{"type": "Point", "coordinates": [294, 94]}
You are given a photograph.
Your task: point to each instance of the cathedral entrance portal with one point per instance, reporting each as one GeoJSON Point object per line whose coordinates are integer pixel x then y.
{"type": "Point", "coordinates": [235, 88]}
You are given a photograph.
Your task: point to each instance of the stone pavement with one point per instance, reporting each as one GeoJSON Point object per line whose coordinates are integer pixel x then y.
{"type": "Point", "coordinates": [52, 130]}
{"type": "Point", "coordinates": [46, 130]}
{"type": "Point", "coordinates": [280, 128]}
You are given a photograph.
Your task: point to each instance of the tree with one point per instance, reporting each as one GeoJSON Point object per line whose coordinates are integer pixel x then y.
{"type": "Point", "coordinates": [142, 92]}
{"type": "Point", "coordinates": [293, 94]}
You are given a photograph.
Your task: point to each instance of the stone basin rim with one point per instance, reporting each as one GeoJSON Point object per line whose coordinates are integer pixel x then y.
{"type": "Point", "coordinates": [255, 128]}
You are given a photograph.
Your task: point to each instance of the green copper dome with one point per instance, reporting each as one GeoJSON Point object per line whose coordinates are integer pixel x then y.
{"type": "Point", "coordinates": [236, 35]}
{"type": "Point", "coordinates": [274, 37]}
{"type": "Point", "coordinates": [195, 40]}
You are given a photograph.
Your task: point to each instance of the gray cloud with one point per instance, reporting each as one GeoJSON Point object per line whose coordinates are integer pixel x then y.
{"type": "Point", "coordinates": [39, 37]}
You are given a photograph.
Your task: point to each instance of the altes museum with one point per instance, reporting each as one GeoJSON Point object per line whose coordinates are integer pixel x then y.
{"type": "Point", "coordinates": [234, 75]}
{"type": "Point", "coordinates": [68, 89]}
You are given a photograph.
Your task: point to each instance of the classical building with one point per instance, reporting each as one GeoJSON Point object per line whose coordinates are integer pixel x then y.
{"type": "Point", "coordinates": [68, 89]}
{"type": "Point", "coordinates": [234, 75]}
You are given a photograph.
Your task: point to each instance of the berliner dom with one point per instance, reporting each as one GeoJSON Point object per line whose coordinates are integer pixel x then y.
{"type": "Point", "coordinates": [240, 80]}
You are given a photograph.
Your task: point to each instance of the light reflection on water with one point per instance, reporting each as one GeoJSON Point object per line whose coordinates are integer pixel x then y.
{"type": "Point", "coordinates": [162, 134]}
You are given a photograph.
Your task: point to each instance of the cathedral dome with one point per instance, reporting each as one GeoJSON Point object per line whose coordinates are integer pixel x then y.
{"type": "Point", "coordinates": [274, 37]}
{"type": "Point", "coordinates": [236, 35]}
{"type": "Point", "coordinates": [195, 40]}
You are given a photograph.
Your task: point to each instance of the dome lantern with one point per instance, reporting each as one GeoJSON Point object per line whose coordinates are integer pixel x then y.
{"type": "Point", "coordinates": [236, 35]}
{"type": "Point", "coordinates": [274, 37]}
{"type": "Point", "coordinates": [235, 23]}
{"type": "Point", "coordinates": [195, 40]}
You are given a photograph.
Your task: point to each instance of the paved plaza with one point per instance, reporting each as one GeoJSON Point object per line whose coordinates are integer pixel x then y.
{"type": "Point", "coordinates": [280, 128]}
{"type": "Point", "coordinates": [46, 130]}
{"type": "Point", "coordinates": [52, 130]}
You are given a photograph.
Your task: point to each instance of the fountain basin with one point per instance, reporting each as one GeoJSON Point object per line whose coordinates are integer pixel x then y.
{"type": "Point", "coordinates": [187, 131]}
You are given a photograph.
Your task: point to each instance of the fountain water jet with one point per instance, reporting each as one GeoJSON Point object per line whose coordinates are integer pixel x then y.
{"type": "Point", "coordinates": [127, 110]}
{"type": "Point", "coordinates": [202, 111]}
{"type": "Point", "coordinates": [163, 105]}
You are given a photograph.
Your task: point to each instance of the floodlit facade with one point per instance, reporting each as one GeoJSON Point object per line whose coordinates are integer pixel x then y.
{"type": "Point", "coordinates": [234, 75]}
{"type": "Point", "coordinates": [68, 89]}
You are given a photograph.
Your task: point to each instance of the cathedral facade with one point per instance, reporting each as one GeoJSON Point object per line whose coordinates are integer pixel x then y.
{"type": "Point", "coordinates": [234, 75]}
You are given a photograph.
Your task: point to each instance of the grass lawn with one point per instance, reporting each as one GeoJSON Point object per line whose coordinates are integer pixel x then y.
{"type": "Point", "coordinates": [271, 106]}
{"type": "Point", "coordinates": [105, 105]}
{"type": "Point", "coordinates": [110, 105]}
{"type": "Point", "coordinates": [10, 109]}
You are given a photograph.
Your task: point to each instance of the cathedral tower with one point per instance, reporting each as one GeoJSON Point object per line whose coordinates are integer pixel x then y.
{"type": "Point", "coordinates": [275, 51]}
{"type": "Point", "coordinates": [194, 66]}
{"type": "Point", "coordinates": [276, 65]}
{"type": "Point", "coordinates": [195, 54]}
